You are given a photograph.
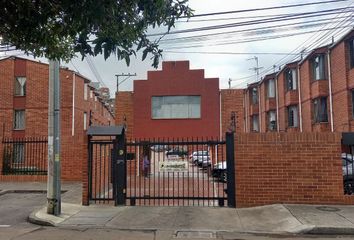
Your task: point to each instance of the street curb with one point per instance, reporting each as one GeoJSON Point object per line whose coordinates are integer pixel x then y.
{"type": "Point", "coordinates": [332, 231]}
{"type": "Point", "coordinates": [32, 218]}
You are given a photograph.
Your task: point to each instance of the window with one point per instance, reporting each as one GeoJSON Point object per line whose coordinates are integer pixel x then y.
{"type": "Point", "coordinates": [318, 67]}
{"type": "Point", "coordinates": [293, 116]}
{"type": "Point", "coordinates": [290, 79]}
{"type": "Point", "coordinates": [170, 107]}
{"type": "Point", "coordinates": [19, 120]}
{"type": "Point", "coordinates": [272, 120]}
{"type": "Point", "coordinates": [255, 123]}
{"type": "Point", "coordinates": [351, 52]}
{"type": "Point", "coordinates": [320, 110]}
{"type": "Point", "coordinates": [85, 91]}
{"type": "Point", "coordinates": [254, 93]}
{"type": "Point", "coordinates": [85, 121]}
{"type": "Point", "coordinates": [271, 88]}
{"type": "Point", "coordinates": [19, 153]}
{"type": "Point", "coordinates": [20, 86]}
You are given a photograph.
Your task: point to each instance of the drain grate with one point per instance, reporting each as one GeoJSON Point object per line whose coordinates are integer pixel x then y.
{"type": "Point", "coordinates": [195, 234]}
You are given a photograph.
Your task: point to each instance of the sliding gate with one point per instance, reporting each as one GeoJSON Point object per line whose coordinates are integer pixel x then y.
{"type": "Point", "coordinates": [156, 172]}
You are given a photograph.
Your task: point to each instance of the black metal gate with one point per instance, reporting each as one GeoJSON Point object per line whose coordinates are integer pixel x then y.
{"type": "Point", "coordinates": [160, 172]}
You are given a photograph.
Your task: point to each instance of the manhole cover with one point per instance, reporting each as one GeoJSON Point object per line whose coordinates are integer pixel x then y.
{"type": "Point", "coordinates": [328, 209]}
{"type": "Point", "coordinates": [195, 234]}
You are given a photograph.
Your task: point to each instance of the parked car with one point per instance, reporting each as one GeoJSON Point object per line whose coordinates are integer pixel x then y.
{"type": "Point", "coordinates": [219, 171]}
{"type": "Point", "coordinates": [180, 152]}
{"type": "Point", "coordinates": [198, 156]}
{"type": "Point", "coordinates": [347, 169]}
{"type": "Point", "coordinates": [158, 148]}
{"type": "Point", "coordinates": [204, 161]}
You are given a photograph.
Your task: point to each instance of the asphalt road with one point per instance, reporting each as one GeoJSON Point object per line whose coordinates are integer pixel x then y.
{"type": "Point", "coordinates": [15, 208]}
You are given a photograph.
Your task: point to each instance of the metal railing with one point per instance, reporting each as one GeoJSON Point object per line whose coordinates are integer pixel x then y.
{"type": "Point", "coordinates": [348, 169]}
{"type": "Point", "coordinates": [25, 156]}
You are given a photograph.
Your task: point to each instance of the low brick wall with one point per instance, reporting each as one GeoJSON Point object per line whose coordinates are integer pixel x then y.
{"type": "Point", "coordinates": [289, 168]}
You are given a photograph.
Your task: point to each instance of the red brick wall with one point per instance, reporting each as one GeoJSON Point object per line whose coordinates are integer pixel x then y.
{"type": "Point", "coordinates": [232, 101]}
{"type": "Point", "coordinates": [176, 79]}
{"type": "Point", "coordinates": [125, 108]}
{"type": "Point", "coordinates": [341, 94]}
{"type": "Point", "coordinates": [289, 168]}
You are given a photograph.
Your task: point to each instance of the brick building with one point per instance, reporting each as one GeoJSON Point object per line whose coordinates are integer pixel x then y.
{"type": "Point", "coordinates": [311, 95]}
{"type": "Point", "coordinates": [24, 108]}
{"type": "Point", "coordinates": [178, 102]}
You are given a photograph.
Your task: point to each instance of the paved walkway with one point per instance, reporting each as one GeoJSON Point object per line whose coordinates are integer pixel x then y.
{"type": "Point", "coordinates": [277, 218]}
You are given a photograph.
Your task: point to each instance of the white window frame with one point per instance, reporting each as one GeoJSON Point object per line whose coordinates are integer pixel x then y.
{"type": "Point", "coordinates": [85, 91]}
{"type": "Point", "coordinates": [271, 88]}
{"type": "Point", "coordinates": [272, 120]}
{"type": "Point", "coordinates": [291, 79]}
{"type": "Point", "coordinates": [85, 120]}
{"type": "Point", "coordinates": [20, 82]}
{"type": "Point", "coordinates": [319, 67]}
{"type": "Point", "coordinates": [255, 123]}
{"type": "Point", "coordinates": [18, 123]}
{"type": "Point", "coordinates": [295, 118]}
{"type": "Point", "coordinates": [164, 107]}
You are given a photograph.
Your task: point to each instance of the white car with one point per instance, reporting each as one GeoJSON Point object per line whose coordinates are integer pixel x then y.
{"type": "Point", "coordinates": [198, 156]}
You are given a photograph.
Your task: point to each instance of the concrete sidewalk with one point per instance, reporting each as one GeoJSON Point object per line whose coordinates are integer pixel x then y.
{"type": "Point", "coordinates": [271, 219]}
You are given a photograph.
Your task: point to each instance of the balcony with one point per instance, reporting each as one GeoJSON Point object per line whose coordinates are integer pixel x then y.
{"type": "Point", "coordinates": [270, 104]}
{"type": "Point", "coordinates": [319, 88]}
{"type": "Point", "coordinates": [291, 97]}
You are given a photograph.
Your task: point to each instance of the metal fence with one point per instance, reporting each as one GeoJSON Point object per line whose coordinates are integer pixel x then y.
{"type": "Point", "coordinates": [169, 172]}
{"type": "Point", "coordinates": [347, 169]}
{"type": "Point", "coordinates": [162, 172]}
{"type": "Point", "coordinates": [25, 156]}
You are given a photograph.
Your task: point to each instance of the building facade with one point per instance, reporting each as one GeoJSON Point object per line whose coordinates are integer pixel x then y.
{"type": "Point", "coordinates": [312, 95]}
{"type": "Point", "coordinates": [24, 108]}
{"type": "Point", "coordinates": [178, 102]}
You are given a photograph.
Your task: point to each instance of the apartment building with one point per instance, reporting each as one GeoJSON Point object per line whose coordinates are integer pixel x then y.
{"type": "Point", "coordinates": [24, 108]}
{"type": "Point", "coordinates": [315, 94]}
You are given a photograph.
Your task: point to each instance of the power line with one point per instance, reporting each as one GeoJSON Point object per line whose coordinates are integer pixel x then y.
{"type": "Point", "coordinates": [253, 17]}
{"type": "Point", "coordinates": [94, 70]}
{"type": "Point", "coordinates": [257, 38]}
{"type": "Point", "coordinates": [266, 8]}
{"type": "Point", "coordinates": [254, 31]}
{"type": "Point", "coordinates": [231, 53]}
{"type": "Point", "coordinates": [247, 23]}
{"type": "Point", "coordinates": [312, 39]}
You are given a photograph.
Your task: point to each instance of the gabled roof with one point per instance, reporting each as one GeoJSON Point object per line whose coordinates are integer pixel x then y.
{"type": "Point", "coordinates": [349, 34]}
{"type": "Point", "coordinates": [287, 66]}
{"type": "Point", "coordinates": [314, 52]}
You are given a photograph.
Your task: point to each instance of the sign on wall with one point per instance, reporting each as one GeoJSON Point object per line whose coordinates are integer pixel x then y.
{"type": "Point", "coordinates": [173, 166]}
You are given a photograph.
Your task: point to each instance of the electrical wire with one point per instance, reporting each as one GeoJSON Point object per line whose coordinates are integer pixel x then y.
{"type": "Point", "coordinates": [265, 8]}
{"type": "Point", "coordinates": [246, 23]}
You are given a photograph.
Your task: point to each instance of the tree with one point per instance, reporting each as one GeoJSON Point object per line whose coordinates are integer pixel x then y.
{"type": "Point", "coordinates": [58, 29]}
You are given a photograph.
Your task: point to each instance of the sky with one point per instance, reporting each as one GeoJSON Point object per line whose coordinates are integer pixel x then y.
{"type": "Point", "coordinates": [238, 65]}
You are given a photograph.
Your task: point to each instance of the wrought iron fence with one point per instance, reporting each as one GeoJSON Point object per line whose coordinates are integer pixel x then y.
{"type": "Point", "coordinates": [347, 169]}
{"type": "Point", "coordinates": [25, 156]}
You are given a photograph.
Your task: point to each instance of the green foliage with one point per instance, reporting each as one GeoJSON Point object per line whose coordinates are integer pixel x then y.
{"type": "Point", "coordinates": [58, 29]}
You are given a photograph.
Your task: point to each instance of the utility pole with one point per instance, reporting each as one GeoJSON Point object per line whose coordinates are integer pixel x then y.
{"type": "Point", "coordinates": [53, 184]}
{"type": "Point", "coordinates": [127, 75]}
{"type": "Point", "coordinates": [257, 68]}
